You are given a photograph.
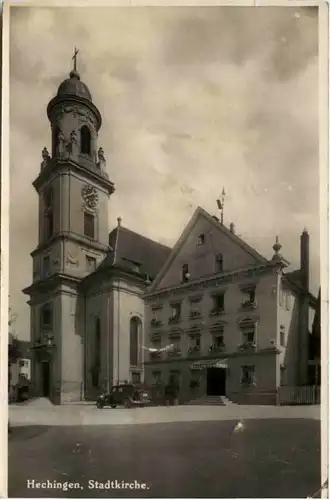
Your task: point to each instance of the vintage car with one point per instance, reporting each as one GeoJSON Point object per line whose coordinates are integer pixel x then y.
{"type": "Point", "coordinates": [127, 395]}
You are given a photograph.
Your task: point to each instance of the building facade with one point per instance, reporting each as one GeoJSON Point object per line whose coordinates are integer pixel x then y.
{"type": "Point", "coordinates": [224, 320]}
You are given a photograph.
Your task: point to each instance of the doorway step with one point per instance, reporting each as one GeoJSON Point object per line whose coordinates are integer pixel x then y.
{"type": "Point", "coordinates": [210, 401]}
{"type": "Point", "coordinates": [207, 401]}
{"type": "Point", "coordinates": [226, 401]}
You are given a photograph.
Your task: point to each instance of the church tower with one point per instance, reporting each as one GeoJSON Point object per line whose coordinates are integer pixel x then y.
{"type": "Point", "coordinates": [73, 190]}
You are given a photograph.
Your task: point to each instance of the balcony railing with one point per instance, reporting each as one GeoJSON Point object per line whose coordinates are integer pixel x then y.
{"type": "Point", "coordinates": [217, 311]}
{"type": "Point", "coordinates": [195, 314]}
{"type": "Point", "coordinates": [248, 304]}
{"type": "Point", "coordinates": [174, 353]}
{"type": "Point", "coordinates": [156, 322]}
{"type": "Point", "coordinates": [248, 383]}
{"type": "Point", "coordinates": [156, 335]}
{"type": "Point", "coordinates": [174, 319]}
{"type": "Point", "coordinates": [194, 350]}
{"type": "Point", "coordinates": [216, 349]}
{"type": "Point", "coordinates": [156, 355]}
{"type": "Point", "coordinates": [248, 346]}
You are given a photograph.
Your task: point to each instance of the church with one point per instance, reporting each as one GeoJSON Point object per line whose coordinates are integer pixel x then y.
{"type": "Point", "coordinates": [86, 297]}
{"type": "Point", "coordinates": [113, 307]}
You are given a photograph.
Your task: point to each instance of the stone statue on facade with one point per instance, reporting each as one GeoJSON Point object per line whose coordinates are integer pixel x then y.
{"type": "Point", "coordinates": [61, 143]}
{"type": "Point", "coordinates": [102, 161]}
{"type": "Point", "coordinates": [45, 158]}
{"type": "Point", "coordinates": [72, 144]}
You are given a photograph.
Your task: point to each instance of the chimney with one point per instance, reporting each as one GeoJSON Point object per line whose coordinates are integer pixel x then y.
{"type": "Point", "coordinates": [304, 258]}
{"type": "Point", "coordinates": [232, 227]}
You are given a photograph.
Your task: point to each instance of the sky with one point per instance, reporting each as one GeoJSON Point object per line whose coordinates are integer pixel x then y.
{"type": "Point", "coordinates": [192, 99]}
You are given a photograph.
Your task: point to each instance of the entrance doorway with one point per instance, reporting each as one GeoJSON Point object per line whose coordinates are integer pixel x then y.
{"type": "Point", "coordinates": [216, 382]}
{"type": "Point", "coordinates": [45, 379]}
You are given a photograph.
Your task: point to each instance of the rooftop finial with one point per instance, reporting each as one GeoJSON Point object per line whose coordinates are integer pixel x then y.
{"type": "Point", "coordinates": [277, 257]}
{"type": "Point", "coordinates": [119, 221]}
{"type": "Point", "coordinates": [277, 246]}
{"type": "Point", "coordinates": [74, 72]}
{"type": "Point", "coordinates": [221, 202]}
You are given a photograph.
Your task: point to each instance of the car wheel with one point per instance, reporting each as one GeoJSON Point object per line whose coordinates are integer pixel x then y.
{"type": "Point", "coordinates": [113, 406]}
{"type": "Point", "coordinates": [127, 403]}
{"type": "Point", "coordinates": [99, 405]}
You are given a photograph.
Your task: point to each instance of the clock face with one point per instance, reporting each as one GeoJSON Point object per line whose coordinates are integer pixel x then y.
{"type": "Point", "coordinates": [90, 196]}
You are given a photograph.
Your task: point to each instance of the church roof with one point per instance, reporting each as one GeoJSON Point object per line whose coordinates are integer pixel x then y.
{"type": "Point", "coordinates": [134, 252]}
{"type": "Point", "coordinates": [73, 86]}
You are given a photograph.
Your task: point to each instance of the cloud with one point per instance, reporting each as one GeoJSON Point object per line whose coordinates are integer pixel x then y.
{"type": "Point", "coordinates": [192, 99]}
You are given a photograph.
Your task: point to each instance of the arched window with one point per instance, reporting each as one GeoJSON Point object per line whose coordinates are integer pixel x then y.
{"type": "Point", "coordinates": [97, 354]}
{"type": "Point", "coordinates": [46, 316]}
{"type": "Point", "coordinates": [55, 141]}
{"type": "Point", "coordinates": [135, 325]}
{"type": "Point", "coordinates": [85, 140]}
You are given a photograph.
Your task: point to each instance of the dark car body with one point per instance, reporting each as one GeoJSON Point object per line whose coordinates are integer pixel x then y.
{"type": "Point", "coordinates": [127, 395]}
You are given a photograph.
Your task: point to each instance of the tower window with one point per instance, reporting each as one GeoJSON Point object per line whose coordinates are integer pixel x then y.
{"type": "Point", "coordinates": [55, 142]}
{"type": "Point", "coordinates": [85, 140]}
{"type": "Point", "coordinates": [46, 317]}
{"type": "Point", "coordinates": [48, 214]}
{"type": "Point", "coordinates": [90, 263]}
{"type": "Point", "coordinates": [89, 225]}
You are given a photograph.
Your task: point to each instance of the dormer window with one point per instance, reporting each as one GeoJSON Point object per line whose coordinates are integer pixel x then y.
{"type": "Point", "coordinates": [219, 263]}
{"type": "Point", "coordinates": [201, 239]}
{"type": "Point", "coordinates": [85, 140]}
{"type": "Point", "coordinates": [185, 273]}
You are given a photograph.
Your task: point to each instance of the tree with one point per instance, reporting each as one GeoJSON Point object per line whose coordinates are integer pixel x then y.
{"type": "Point", "coordinates": [13, 345]}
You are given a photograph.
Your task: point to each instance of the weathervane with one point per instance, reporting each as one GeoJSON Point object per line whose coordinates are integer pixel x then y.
{"type": "Point", "coordinates": [76, 52]}
{"type": "Point", "coordinates": [221, 202]}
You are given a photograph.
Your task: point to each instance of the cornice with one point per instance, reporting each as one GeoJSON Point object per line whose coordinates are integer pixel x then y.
{"type": "Point", "coordinates": [50, 283]}
{"type": "Point", "coordinates": [73, 99]}
{"type": "Point", "coordinates": [224, 355]}
{"type": "Point", "coordinates": [114, 272]}
{"type": "Point", "coordinates": [70, 236]}
{"type": "Point", "coordinates": [213, 281]}
{"type": "Point", "coordinates": [59, 164]}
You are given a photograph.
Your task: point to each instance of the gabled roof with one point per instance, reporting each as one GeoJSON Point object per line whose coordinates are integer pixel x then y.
{"type": "Point", "coordinates": [200, 212]}
{"type": "Point", "coordinates": [133, 252]}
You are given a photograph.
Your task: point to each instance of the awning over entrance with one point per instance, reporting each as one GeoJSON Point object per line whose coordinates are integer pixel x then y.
{"type": "Point", "coordinates": [209, 363]}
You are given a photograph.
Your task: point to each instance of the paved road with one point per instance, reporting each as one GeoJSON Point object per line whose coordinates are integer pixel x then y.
{"type": "Point", "coordinates": [266, 458]}
{"type": "Point", "coordinates": [41, 413]}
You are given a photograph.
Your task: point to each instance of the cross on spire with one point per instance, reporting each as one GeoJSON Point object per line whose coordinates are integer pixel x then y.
{"type": "Point", "coordinates": [76, 52]}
